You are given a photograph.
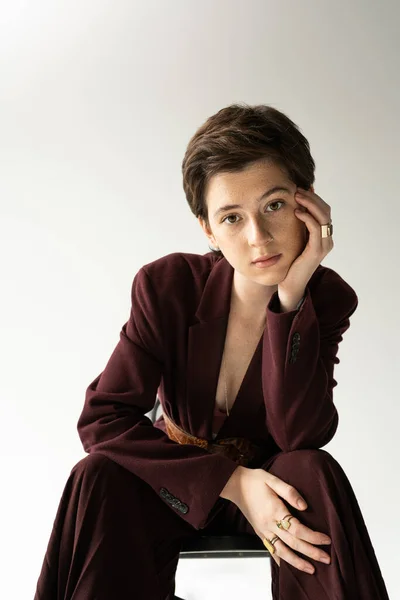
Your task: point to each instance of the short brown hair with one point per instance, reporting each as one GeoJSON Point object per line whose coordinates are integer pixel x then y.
{"type": "Point", "coordinates": [237, 136]}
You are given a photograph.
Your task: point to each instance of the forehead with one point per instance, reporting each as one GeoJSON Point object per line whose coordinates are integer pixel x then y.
{"type": "Point", "coordinates": [246, 184]}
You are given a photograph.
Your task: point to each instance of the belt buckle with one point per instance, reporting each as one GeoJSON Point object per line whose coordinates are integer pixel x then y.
{"type": "Point", "coordinates": [240, 458]}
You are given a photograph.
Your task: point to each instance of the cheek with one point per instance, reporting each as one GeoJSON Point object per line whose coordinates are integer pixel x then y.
{"type": "Point", "coordinates": [293, 229]}
{"type": "Point", "coordinates": [301, 228]}
{"type": "Point", "coordinates": [296, 236]}
{"type": "Point", "coordinates": [305, 240]}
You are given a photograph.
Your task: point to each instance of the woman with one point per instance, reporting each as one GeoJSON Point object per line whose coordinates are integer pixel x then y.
{"type": "Point", "coordinates": [241, 354]}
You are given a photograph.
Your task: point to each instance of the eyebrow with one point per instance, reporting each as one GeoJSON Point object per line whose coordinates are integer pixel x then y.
{"type": "Point", "coordinates": [273, 190]}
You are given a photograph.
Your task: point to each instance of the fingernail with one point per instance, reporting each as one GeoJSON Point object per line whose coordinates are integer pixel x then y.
{"type": "Point", "coordinates": [326, 560]}
{"type": "Point", "coordinates": [309, 570]}
{"type": "Point", "coordinates": [301, 503]}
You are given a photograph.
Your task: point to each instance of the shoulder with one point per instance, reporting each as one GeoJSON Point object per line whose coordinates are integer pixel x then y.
{"type": "Point", "coordinates": [331, 293]}
{"type": "Point", "coordinates": [181, 262]}
{"type": "Point", "coordinates": [182, 268]}
{"type": "Point", "coordinates": [325, 277]}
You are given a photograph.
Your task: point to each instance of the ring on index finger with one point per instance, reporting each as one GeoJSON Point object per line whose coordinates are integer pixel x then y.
{"type": "Point", "coordinates": [269, 544]}
{"type": "Point", "coordinates": [285, 522]}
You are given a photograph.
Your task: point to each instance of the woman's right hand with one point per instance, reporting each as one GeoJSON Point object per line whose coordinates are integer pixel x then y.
{"type": "Point", "coordinates": [258, 496]}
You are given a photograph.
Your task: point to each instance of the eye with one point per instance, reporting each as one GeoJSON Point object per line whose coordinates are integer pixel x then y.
{"type": "Point", "coordinates": [276, 202]}
{"type": "Point", "coordinates": [233, 215]}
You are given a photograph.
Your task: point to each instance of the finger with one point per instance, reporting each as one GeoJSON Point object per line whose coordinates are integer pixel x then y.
{"type": "Point", "coordinates": [301, 531]}
{"type": "Point", "coordinates": [313, 197]}
{"type": "Point", "coordinates": [304, 547]}
{"type": "Point", "coordinates": [286, 491]}
{"type": "Point", "coordinates": [309, 220]}
{"type": "Point", "coordinates": [276, 558]}
{"type": "Point", "coordinates": [314, 228]}
{"type": "Point", "coordinates": [290, 557]}
{"type": "Point", "coordinates": [321, 212]}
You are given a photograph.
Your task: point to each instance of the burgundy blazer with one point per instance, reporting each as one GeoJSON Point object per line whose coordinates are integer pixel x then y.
{"type": "Point", "coordinates": [172, 346]}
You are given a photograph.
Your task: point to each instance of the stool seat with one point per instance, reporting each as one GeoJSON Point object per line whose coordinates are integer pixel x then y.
{"type": "Point", "coordinates": [223, 546]}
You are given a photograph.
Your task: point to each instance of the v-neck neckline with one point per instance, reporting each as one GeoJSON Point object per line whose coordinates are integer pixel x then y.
{"type": "Point", "coordinates": [205, 347]}
{"type": "Point", "coordinates": [237, 409]}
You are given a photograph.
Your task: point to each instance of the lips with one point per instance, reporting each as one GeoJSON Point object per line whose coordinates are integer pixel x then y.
{"type": "Point", "coordinates": [265, 259]}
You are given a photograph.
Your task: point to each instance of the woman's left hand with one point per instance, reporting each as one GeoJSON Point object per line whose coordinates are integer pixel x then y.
{"type": "Point", "coordinates": [316, 212]}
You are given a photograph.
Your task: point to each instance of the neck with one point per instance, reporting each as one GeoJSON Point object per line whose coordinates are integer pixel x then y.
{"type": "Point", "coordinates": [249, 299]}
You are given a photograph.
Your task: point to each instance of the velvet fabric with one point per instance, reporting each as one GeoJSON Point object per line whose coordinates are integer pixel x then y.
{"type": "Point", "coordinates": [128, 505]}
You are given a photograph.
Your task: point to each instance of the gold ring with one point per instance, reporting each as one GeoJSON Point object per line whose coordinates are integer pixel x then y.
{"type": "Point", "coordinates": [269, 544]}
{"type": "Point", "coordinates": [327, 230]}
{"type": "Point", "coordinates": [285, 522]}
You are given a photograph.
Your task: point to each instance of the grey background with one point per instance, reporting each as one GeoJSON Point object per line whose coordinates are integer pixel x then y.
{"type": "Point", "coordinates": [98, 101]}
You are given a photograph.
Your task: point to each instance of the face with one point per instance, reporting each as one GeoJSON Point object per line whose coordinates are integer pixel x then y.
{"type": "Point", "coordinates": [256, 226]}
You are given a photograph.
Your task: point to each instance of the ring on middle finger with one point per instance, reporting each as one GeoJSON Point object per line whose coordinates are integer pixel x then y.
{"type": "Point", "coordinates": [285, 522]}
{"type": "Point", "coordinates": [274, 539]}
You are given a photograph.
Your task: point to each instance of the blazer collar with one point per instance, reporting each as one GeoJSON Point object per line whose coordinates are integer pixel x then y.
{"type": "Point", "coordinates": [216, 298]}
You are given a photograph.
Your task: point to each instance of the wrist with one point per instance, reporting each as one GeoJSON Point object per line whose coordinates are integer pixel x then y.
{"type": "Point", "coordinates": [290, 304]}
{"type": "Point", "coordinates": [232, 488]}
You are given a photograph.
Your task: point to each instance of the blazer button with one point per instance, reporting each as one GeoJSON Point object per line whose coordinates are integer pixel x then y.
{"type": "Point", "coordinates": [164, 493]}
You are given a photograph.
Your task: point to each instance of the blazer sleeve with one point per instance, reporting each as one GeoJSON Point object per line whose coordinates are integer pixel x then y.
{"type": "Point", "coordinates": [113, 422]}
{"type": "Point", "coordinates": [299, 354]}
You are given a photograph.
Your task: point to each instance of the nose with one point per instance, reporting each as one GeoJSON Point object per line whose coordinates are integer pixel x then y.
{"type": "Point", "coordinates": [258, 233]}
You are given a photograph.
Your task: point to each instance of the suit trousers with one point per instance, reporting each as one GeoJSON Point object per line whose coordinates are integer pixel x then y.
{"type": "Point", "coordinates": [114, 538]}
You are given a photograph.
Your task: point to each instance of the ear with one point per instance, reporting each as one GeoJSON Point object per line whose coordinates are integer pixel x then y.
{"type": "Point", "coordinates": [206, 230]}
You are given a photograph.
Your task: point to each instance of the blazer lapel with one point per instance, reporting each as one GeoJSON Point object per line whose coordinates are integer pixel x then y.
{"type": "Point", "coordinates": [206, 341]}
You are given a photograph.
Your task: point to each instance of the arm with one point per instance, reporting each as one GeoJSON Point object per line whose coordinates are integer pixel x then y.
{"type": "Point", "coordinates": [298, 385]}
{"type": "Point", "coordinates": [232, 488]}
{"type": "Point", "coordinates": [287, 308]}
{"type": "Point", "coordinates": [113, 421]}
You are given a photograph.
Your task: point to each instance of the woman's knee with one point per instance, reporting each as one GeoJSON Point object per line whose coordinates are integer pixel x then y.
{"type": "Point", "coordinates": [97, 476]}
{"type": "Point", "coordinates": [305, 460]}
{"type": "Point", "coordinates": [92, 464]}
{"type": "Point", "coordinates": [97, 469]}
